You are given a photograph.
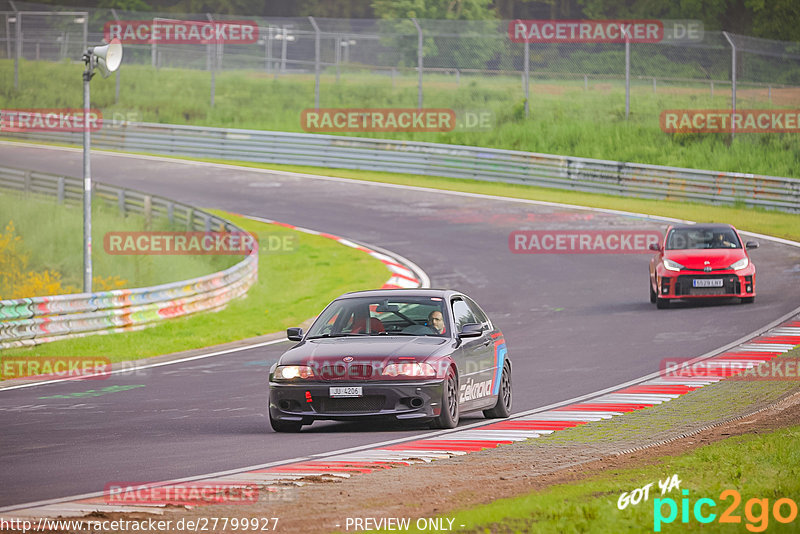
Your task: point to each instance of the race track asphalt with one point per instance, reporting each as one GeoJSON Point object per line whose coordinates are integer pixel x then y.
{"type": "Point", "coordinates": [574, 323]}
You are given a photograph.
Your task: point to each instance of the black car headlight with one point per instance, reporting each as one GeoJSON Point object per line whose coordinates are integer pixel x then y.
{"type": "Point", "coordinates": [292, 372]}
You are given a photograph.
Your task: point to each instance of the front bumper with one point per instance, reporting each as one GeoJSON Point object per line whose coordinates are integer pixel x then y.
{"type": "Point", "coordinates": [311, 401]}
{"type": "Point", "coordinates": [681, 285]}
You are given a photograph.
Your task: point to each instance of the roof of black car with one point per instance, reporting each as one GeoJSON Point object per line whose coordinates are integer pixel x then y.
{"type": "Point", "coordinates": [412, 292]}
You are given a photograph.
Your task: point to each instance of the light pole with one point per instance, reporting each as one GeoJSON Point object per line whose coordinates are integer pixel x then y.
{"type": "Point", "coordinates": [107, 59]}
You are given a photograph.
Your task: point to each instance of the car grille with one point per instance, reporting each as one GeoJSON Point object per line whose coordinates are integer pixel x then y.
{"type": "Point", "coordinates": [368, 403]}
{"type": "Point", "coordinates": [684, 285]}
{"type": "Point", "coordinates": [353, 371]}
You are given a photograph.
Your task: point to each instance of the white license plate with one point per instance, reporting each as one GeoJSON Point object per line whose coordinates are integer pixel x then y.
{"type": "Point", "coordinates": [346, 391]}
{"type": "Point", "coordinates": [707, 282]}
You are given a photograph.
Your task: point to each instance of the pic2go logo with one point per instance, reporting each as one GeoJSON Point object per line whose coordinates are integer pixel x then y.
{"type": "Point", "coordinates": [756, 511]}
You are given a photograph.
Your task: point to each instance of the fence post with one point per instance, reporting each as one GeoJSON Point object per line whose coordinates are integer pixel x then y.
{"type": "Point", "coordinates": [285, 38]}
{"type": "Point", "coordinates": [213, 60]}
{"type": "Point", "coordinates": [338, 55]}
{"type": "Point", "coordinates": [654, 85]}
{"type": "Point", "coordinates": [17, 49]}
{"type": "Point", "coordinates": [419, 62]}
{"type": "Point", "coordinates": [316, 61]}
{"type": "Point", "coordinates": [733, 80]}
{"type": "Point", "coordinates": [627, 76]}
{"type": "Point", "coordinates": [526, 74]}
{"type": "Point", "coordinates": [153, 48]}
{"type": "Point", "coordinates": [121, 202]}
{"type": "Point", "coordinates": [8, 37]}
{"type": "Point", "coordinates": [60, 193]}
{"type": "Point", "coordinates": [148, 211]}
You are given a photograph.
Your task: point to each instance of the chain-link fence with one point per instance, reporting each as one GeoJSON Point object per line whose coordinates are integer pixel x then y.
{"type": "Point", "coordinates": [433, 53]}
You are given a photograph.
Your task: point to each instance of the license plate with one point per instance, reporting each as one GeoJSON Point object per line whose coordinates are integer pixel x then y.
{"type": "Point", "coordinates": [346, 391]}
{"type": "Point", "coordinates": [707, 282]}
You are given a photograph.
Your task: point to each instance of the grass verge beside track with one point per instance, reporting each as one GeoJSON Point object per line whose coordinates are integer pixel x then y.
{"type": "Point", "coordinates": [51, 238]}
{"type": "Point", "coordinates": [756, 466]}
{"type": "Point", "coordinates": [292, 287]}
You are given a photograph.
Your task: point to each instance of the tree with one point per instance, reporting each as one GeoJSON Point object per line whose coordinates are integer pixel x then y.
{"type": "Point", "coordinates": [776, 19]}
{"type": "Point", "coordinates": [445, 26]}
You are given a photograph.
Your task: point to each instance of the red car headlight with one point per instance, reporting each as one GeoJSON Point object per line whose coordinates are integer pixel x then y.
{"type": "Point", "coordinates": [415, 370]}
{"type": "Point", "coordinates": [672, 265]}
{"type": "Point", "coordinates": [739, 265]}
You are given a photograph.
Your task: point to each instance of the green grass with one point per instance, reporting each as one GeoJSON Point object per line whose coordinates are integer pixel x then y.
{"type": "Point", "coordinates": [763, 466]}
{"type": "Point", "coordinates": [565, 118]}
{"type": "Point", "coordinates": [52, 237]}
{"type": "Point", "coordinates": [292, 287]}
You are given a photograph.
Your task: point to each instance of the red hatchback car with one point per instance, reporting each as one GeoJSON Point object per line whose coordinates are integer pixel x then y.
{"type": "Point", "coordinates": [702, 261]}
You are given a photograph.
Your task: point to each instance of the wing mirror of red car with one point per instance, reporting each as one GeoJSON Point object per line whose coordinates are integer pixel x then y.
{"type": "Point", "coordinates": [471, 330]}
{"type": "Point", "coordinates": [294, 334]}
{"type": "Point", "coordinates": [751, 244]}
{"type": "Point", "coordinates": [655, 246]}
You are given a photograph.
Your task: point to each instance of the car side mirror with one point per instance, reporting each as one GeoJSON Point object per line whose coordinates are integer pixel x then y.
{"type": "Point", "coordinates": [471, 330]}
{"type": "Point", "coordinates": [294, 334]}
{"type": "Point", "coordinates": [751, 244]}
{"type": "Point", "coordinates": [655, 246]}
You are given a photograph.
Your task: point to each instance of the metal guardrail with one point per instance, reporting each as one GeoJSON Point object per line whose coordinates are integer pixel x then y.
{"type": "Point", "coordinates": [456, 161]}
{"type": "Point", "coordinates": [31, 321]}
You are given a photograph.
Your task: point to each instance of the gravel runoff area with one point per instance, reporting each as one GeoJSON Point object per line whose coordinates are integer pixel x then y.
{"type": "Point", "coordinates": [712, 413]}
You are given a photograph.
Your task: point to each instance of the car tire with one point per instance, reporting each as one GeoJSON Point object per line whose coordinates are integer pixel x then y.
{"type": "Point", "coordinates": [504, 397]}
{"type": "Point", "coordinates": [653, 295]}
{"type": "Point", "coordinates": [448, 418]}
{"type": "Point", "coordinates": [662, 304]}
{"type": "Point", "coordinates": [748, 300]}
{"type": "Point", "coordinates": [285, 426]}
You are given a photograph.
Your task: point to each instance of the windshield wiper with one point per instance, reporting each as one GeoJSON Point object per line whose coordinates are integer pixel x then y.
{"type": "Point", "coordinates": [340, 334]}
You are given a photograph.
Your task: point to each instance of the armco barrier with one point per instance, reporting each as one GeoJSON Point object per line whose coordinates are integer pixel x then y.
{"type": "Point", "coordinates": [30, 321]}
{"type": "Point", "coordinates": [456, 161]}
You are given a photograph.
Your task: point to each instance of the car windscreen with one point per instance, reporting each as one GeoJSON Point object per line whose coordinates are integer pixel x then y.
{"type": "Point", "coordinates": [358, 316]}
{"type": "Point", "coordinates": [698, 238]}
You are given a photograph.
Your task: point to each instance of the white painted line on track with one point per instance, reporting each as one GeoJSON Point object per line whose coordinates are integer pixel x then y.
{"type": "Point", "coordinates": [146, 366]}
